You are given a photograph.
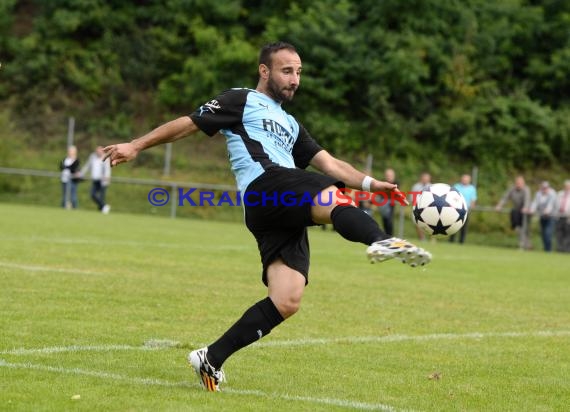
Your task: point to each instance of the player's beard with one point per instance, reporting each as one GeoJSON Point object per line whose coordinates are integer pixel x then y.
{"type": "Point", "coordinates": [278, 93]}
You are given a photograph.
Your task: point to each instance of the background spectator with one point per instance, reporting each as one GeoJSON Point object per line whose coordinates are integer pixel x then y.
{"type": "Point", "coordinates": [544, 204]}
{"type": "Point", "coordinates": [563, 221]}
{"type": "Point", "coordinates": [469, 192]}
{"type": "Point", "coordinates": [100, 171]}
{"type": "Point", "coordinates": [519, 196]}
{"type": "Point", "coordinates": [70, 176]}
{"type": "Point", "coordinates": [387, 209]}
{"type": "Point", "coordinates": [422, 184]}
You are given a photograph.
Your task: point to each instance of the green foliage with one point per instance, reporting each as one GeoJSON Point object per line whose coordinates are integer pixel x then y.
{"type": "Point", "coordinates": [6, 22]}
{"type": "Point", "coordinates": [515, 130]}
{"type": "Point", "coordinates": [10, 149]}
{"type": "Point", "coordinates": [477, 81]}
{"type": "Point", "coordinates": [220, 61]}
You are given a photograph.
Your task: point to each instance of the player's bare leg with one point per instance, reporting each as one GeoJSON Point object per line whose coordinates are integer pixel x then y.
{"type": "Point", "coordinates": [286, 287]}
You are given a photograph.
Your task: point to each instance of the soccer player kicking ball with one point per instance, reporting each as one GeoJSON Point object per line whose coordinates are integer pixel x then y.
{"type": "Point", "coordinates": [268, 151]}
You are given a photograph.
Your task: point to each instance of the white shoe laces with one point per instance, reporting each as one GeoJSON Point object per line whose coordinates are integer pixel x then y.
{"type": "Point", "coordinates": [217, 373]}
{"type": "Point", "coordinates": [220, 375]}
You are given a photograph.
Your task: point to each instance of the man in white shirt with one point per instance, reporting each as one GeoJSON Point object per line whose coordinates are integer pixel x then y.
{"type": "Point", "coordinates": [544, 205]}
{"type": "Point", "coordinates": [100, 171]}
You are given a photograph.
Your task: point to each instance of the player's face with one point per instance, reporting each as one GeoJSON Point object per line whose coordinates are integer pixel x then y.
{"type": "Point", "coordinates": [284, 75]}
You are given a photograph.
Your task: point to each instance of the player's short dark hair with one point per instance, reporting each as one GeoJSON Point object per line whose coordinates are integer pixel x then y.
{"type": "Point", "coordinates": [269, 49]}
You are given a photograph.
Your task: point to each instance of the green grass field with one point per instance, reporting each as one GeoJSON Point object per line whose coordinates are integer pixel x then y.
{"type": "Point", "coordinates": [99, 312]}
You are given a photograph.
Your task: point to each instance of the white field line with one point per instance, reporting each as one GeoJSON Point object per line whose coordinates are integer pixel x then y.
{"type": "Point", "coordinates": [35, 268]}
{"type": "Point", "coordinates": [160, 382]}
{"type": "Point", "coordinates": [75, 348]}
{"type": "Point", "coordinates": [114, 242]}
{"type": "Point", "coordinates": [410, 338]}
{"type": "Point", "coordinates": [149, 345]}
{"type": "Point", "coordinates": [96, 374]}
{"type": "Point", "coordinates": [326, 401]}
{"type": "Point", "coordinates": [157, 344]}
{"type": "Point", "coordinates": [87, 241]}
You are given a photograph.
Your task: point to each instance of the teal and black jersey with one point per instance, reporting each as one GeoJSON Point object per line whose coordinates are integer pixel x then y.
{"type": "Point", "coordinates": [259, 133]}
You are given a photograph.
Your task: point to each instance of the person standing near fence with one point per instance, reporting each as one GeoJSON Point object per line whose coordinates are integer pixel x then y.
{"type": "Point", "coordinates": [469, 192]}
{"type": "Point", "coordinates": [69, 167]}
{"type": "Point", "coordinates": [519, 196]}
{"type": "Point", "coordinates": [387, 208]}
{"type": "Point", "coordinates": [544, 205]}
{"type": "Point", "coordinates": [422, 184]}
{"type": "Point", "coordinates": [100, 172]}
{"type": "Point", "coordinates": [563, 221]}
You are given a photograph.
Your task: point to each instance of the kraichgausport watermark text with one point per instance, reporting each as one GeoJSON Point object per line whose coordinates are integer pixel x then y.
{"type": "Point", "coordinates": [342, 196]}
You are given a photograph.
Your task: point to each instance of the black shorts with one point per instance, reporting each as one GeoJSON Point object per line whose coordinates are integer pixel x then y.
{"type": "Point", "coordinates": [278, 210]}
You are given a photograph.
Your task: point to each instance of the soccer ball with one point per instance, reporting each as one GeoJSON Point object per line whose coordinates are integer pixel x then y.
{"type": "Point", "coordinates": [439, 210]}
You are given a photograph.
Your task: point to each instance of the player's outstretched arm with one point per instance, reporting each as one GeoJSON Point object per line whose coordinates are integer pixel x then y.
{"type": "Point", "coordinates": [166, 133]}
{"type": "Point", "coordinates": [342, 170]}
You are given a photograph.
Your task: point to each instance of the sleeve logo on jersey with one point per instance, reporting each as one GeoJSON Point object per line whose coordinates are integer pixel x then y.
{"type": "Point", "coordinates": [211, 107]}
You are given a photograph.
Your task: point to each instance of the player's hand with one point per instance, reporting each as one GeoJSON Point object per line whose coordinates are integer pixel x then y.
{"type": "Point", "coordinates": [120, 153]}
{"type": "Point", "coordinates": [380, 186]}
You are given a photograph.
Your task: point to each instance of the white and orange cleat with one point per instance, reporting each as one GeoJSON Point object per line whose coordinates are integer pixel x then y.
{"type": "Point", "coordinates": [210, 377]}
{"type": "Point", "coordinates": [395, 248]}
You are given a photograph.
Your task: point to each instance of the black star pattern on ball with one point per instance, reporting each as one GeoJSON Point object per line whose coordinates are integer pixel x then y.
{"type": "Point", "coordinates": [439, 229]}
{"type": "Point", "coordinates": [418, 214]}
{"type": "Point", "coordinates": [439, 202]}
{"type": "Point", "coordinates": [462, 212]}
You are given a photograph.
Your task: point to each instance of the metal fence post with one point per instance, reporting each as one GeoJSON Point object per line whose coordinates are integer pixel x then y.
{"type": "Point", "coordinates": [173, 201]}
{"type": "Point", "coordinates": [401, 222]}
